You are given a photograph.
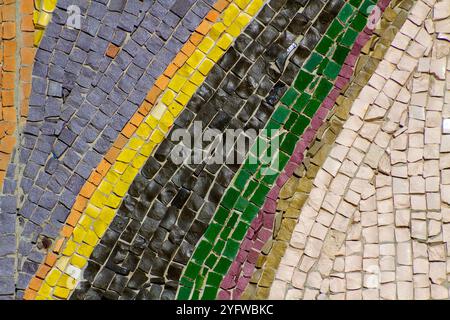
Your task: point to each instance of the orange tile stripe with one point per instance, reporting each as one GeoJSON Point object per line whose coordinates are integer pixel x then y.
{"type": "Point", "coordinates": [15, 72]}
{"type": "Point", "coordinates": [96, 176]}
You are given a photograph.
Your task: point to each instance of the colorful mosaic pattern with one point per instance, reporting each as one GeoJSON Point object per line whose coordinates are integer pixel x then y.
{"type": "Point", "coordinates": [342, 194]}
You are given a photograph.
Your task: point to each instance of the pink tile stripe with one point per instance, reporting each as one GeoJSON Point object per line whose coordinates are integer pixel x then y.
{"type": "Point", "coordinates": [261, 229]}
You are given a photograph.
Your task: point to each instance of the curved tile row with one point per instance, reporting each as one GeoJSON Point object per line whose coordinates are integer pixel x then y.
{"type": "Point", "coordinates": [244, 263]}
{"type": "Point", "coordinates": [296, 190]}
{"type": "Point", "coordinates": [168, 196]}
{"type": "Point", "coordinates": [106, 198]}
{"type": "Point", "coordinates": [87, 83]}
{"type": "Point", "coordinates": [241, 202]}
{"type": "Point", "coordinates": [387, 236]}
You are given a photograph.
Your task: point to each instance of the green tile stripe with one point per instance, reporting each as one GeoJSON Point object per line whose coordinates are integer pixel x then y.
{"type": "Point", "coordinates": [243, 199]}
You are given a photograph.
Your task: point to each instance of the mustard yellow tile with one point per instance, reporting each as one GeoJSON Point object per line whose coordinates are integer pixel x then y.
{"type": "Point", "coordinates": [78, 234]}
{"type": "Point", "coordinates": [127, 154]}
{"type": "Point", "coordinates": [113, 201]}
{"type": "Point", "coordinates": [85, 250]}
{"type": "Point", "coordinates": [113, 176]}
{"type": "Point", "coordinates": [152, 121]}
{"type": "Point", "coordinates": [168, 97]}
{"type": "Point", "coordinates": [139, 161]}
{"type": "Point", "coordinates": [85, 221]}
{"type": "Point", "coordinates": [216, 30]}
{"type": "Point", "coordinates": [100, 228]}
{"type": "Point", "coordinates": [61, 292]}
{"type": "Point", "coordinates": [147, 149]}
{"type": "Point", "coordinates": [157, 136]}
{"type": "Point", "coordinates": [230, 14]}
{"type": "Point", "coordinates": [234, 29]}
{"type": "Point", "coordinates": [67, 282]}
{"type": "Point", "coordinates": [53, 277]}
{"type": "Point", "coordinates": [195, 59]}
{"type": "Point", "coordinates": [49, 5]}
{"type": "Point", "coordinates": [105, 186]}
{"type": "Point", "coordinates": [215, 54]}
{"type": "Point", "coordinates": [78, 261]}
{"type": "Point", "coordinates": [36, 14]}
{"type": "Point", "coordinates": [143, 131]}
{"type": "Point", "coordinates": [119, 167]}
{"type": "Point", "coordinates": [44, 18]}
{"type": "Point", "coordinates": [243, 20]}
{"type": "Point", "coordinates": [121, 188]}
{"type": "Point", "coordinates": [39, 297]}
{"type": "Point", "coordinates": [185, 71]}
{"type": "Point", "coordinates": [197, 78]}
{"type": "Point", "coordinates": [175, 108]}
{"type": "Point", "coordinates": [136, 143]}
{"type": "Point", "coordinates": [62, 263]}
{"type": "Point", "coordinates": [93, 211]}
{"type": "Point", "coordinates": [242, 4]}
{"type": "Point", "coordinates": [167, 119]}
{"type": "Point", "coordinates": [70, 248]}
{"type": "Point", "coordinates": [206, 44]}
{"type": "Point", "coordinates": [254, 7]}
{"type": "Point", "coordinates": [177, 82]}
{"type": "Point", "coordinates": [107, 214]}
{"type": "Point", "coordinates": [91, 238]}
{"type": "Point", "coordinates": [225, 41]}
{"type": "Point", "coordinates": [45, 289]}
{"type": "Point", "coordinates": [189, 88]}
{"type": "Point", "coordinates": [206, 66]}
{"type": "Point", "coordinates": [38, 34]}
{"type": "Point", "coordinates": [183, 98]}
{"type": "Point", "coordinates": [130, 174]}
{"type": "Point", "coordinates": [98, 199]}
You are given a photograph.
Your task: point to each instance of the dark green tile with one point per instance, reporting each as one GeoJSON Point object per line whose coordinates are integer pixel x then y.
{"type": "Point", "coordinates": [250, 213]}
{"type": "Point", "coordinates": [218, 247]}
{"type": "Point", "coordinates": [349, 38]}
{"type": "Point", "coordinates": [211, 261]}
{"type": "Point", "coordinates": [241, 204]}
{"type": "Point", "coordinates": [272, 125]}
{"type": "Point", "coordinates": [221, 215]}
{"type": "Point", "coordinates": [334, 29]}
{"type": "Point", "coordinates": [184, 293]}
{"type": "Point", "coordinates": [250, 189]}
{"type": "Point", "coordinates": [202, 251]}
{"type": "Point", "coordinates": [312, 62]}
{"type": "Point", "coordinates": [301, 101]}
{"type": "Point", "coordinates": [212, 231]}
{"type": "Point", "coordinates": [323, 89]}
{"type": "Point", "coordinates": [302, 81]}
{"type": "Point", "coordinates": [346, 12]}
{"type": "Point", "coordinates": [324, 45]}
{"type": "Point", "coordinates": [310, 111]}
{"type": "Point", "coordinates": [213, 279]}
{"type": "Point", "coordinates": [232, 221]}
{"type": "Point", "coordinates": [340, 54]}
{"type": "Point", "coordinates": [260, 195]}
{"type": "Point", "coordinates": [366, 7]}
{"type": "Point", "coordinates": [222, 266]}
{"type": "Point", "coordinates": [210, 293]}
{"type": "Point", "coordinates": [289, 142]}
{"type": "Point", "coordinates": [359, 22]}
{"type": "Point", "coordinates": [332, 70]}
{"type": "Point", "coordinates": [289, 97]}
{"type": "Point", "coordinates": [241, 179]}
{"type": "Point", "coordinates": [280, 114]}
{"type": "Point", "coordinates": [240, 231]}
{"type": "Point", "coordinates": [355, 3]}
{"type": "Point", "coordinates": [230, 198]}
{"type": "Point", "coordinates": [300, 125]}
{"type": "Point", "coordinates": [291, 120]}
{"type": "Point", "coordinates": [192, 270]}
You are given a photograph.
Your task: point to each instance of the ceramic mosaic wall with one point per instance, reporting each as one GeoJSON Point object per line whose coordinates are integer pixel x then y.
{"type": "Point", "coordinates": [339, 191]}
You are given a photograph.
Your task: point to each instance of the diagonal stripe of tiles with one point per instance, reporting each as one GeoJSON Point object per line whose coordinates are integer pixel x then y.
{"type": "Point", "coordinates": [235, 281]}
{"type": "Point", "coordinates": [295, 191]}
{"type": "Point", "coordinates": [108, 67]}
{"type": "Point", "coordinates": [105, 200]}
{"type": "Point", "coordinates": [163, 204]}
{"type": "Point", "coordinates": [206, 269]}
{"type": "Point", "coordinates": [382, 235]}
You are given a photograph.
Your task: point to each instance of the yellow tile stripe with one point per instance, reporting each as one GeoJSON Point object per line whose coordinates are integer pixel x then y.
{"type": "Point", "coordinates": [42, 15]}
{"type": "Point", "coordinates": [101, 208]}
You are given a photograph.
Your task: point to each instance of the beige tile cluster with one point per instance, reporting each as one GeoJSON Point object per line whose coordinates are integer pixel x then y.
{"type": "Point", "coordinates": [377, 222]}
